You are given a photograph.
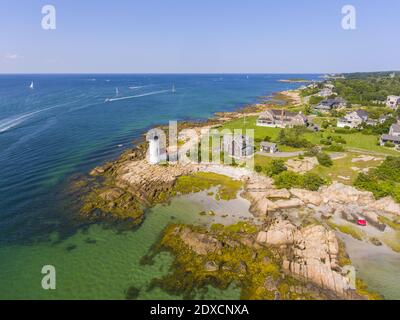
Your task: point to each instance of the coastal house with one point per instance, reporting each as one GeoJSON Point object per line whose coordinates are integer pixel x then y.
{"type": "Point", "coordinates": [325, 92]}
{"type": "Point", "coordinates": [281, 119]}
{"type": "Point", "coordinates": [312, 85]}
{"type": "Point", "coordinates": [329, 86]}
{"type": "Point", "coordinates": [353, 119]}
{"type": "Point", "coordinates": [330, 104]}
{"type": "Point", "coordinates": [393, 136]}
{"type": "Point", "coordinates": [268, 147]}
{"type": "Point", "coordinates": [393, 102]}
{"type": "Point", "coordinates": [372, 122]}
{"type": "Point", "coordinates": [237, 145]}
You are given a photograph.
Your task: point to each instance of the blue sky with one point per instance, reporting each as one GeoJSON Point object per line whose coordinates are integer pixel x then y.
{"type": "Point", "coordinates": [199, 36]}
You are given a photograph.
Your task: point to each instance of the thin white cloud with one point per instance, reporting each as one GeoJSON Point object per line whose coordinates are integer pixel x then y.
{"type": "Point", "coordinates": [12, 56]}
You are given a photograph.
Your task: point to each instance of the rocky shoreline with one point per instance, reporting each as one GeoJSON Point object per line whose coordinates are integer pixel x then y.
{"type": "Point", "coordinates": [303, 246]}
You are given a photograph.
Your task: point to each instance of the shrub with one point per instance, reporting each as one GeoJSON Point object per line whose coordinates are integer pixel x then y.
{"type": "Point", "coordinates": [312, 152]}
{"type": "Point", "coordinates": [315, 100]}
{"type": "Point", "coordinates": [290, 179]}
{"type": "Point", "coordinates": [287, 179]}
{"type": "Point", "coordinates": [258, 168]}
{"type": "Point", "coordinates": [325, 124]}
{"type": "Point", "coordinates": [275, 168]}
{"type": "Point", "coordinates": [292, 137]}
{"type": "Point", "coordinates": [389, 144]}
{"type": "Point", "coordinates": [325, 141]}
{"type": "Point", "coordinates": [338, 139]}
{"type": "Point", "coordinates": [382, 181]}
{"type": "Point", "coordinates": [389, 169]}
{"type": "Point", "coordinates": [312, 181]}
{"type": "Point", "coordinates": [324, 159]}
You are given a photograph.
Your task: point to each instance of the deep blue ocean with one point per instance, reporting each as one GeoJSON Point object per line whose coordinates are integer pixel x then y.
{"type": "Point", "coordinates": [63, 127]}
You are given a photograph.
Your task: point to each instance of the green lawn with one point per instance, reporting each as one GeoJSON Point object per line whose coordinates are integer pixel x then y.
{"type": "Point", "coordinates": [264, 161]}
{"type": "Point", "coordinates": [341, 168]}
{"type": "Point", "coordinates": [353, 140]}
{"type": "Point", "coordinates": [259, 132]}
{"type": "Point", "coordinates": [250, 123]}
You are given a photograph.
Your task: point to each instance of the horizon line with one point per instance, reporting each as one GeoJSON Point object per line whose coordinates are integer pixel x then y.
{"type": "Point", "coordinates": [191, 73]}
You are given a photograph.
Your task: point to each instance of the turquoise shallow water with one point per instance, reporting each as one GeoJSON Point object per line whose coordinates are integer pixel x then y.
{"type": "Point", "coordinates": [97, 263]}
{"type": "Point", "coordinates": [64, 128]}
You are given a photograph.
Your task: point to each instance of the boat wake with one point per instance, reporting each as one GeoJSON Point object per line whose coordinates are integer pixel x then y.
{"type": "Point", "coordinates": [138, 87]}
{"type": "Point", "coordinates": [136, 96]}
{"type": "Point", "coordinates": [11, 122]}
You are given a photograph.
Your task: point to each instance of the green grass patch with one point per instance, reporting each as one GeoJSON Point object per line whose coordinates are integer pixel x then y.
{"type": "Point", "coordinates": [200, 181]}
{"type": "Point", "coordinates": [342, 168]}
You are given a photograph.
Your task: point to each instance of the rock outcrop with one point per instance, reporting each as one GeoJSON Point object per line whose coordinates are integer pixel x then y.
{"type": "Point", "coordinates": [303, 165]}
{"type": "Point", "coordinates": [199, 242]}
{"type": "Point", "coordinates": [310, 253]}
{"type": "Point", "coordinates": [277, 193]}
{"type": "Point", "coordinates": [308, 197]}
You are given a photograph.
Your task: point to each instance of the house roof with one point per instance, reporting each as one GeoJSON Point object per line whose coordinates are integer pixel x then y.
{"type": "Point", "coordinates": [267, 144]}
{"type": "Point", "coordinates": [395, 127]}
{"type": "Point", "coordinates": [361, 113]}
{"type": "Point", "coordinates": [277, 112]}
{"type": "Point", "coordinates": [388, 137]}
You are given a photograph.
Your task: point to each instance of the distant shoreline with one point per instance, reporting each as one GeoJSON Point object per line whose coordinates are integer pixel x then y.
{"type": "Point", "coordinates": [295, 81]}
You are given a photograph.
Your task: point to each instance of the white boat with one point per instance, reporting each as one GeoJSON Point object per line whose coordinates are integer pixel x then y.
{"type": "Point", "coordinates": [116, 91]}
{"type": "Point", "coordinates": [31, 85]}
{"type": "Point", "coordinates": [173, 89]}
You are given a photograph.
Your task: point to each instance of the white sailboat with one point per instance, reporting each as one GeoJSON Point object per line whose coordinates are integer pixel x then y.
{"type": "Point", "coordinates": [31, 85]}
{"type": "Point", "coordinates": [116, 91]}
{"type": "Point", "coordinates": [173, 89]}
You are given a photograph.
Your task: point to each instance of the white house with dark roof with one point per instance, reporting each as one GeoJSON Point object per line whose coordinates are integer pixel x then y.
{"type": "Point", "coordinates": [393, 102]}
{"type": "Point", "coordinates": [281, 119]}
{"type": "Point", "coordinates": [353, 119]}
{"type": "Point", "coordinates": [268, 147]}
{"type": "Point", "coordinates": [393, 136]}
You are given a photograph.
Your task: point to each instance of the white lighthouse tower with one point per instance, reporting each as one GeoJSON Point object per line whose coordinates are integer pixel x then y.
{"type": "Point", "coordinates": [156, 152]}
